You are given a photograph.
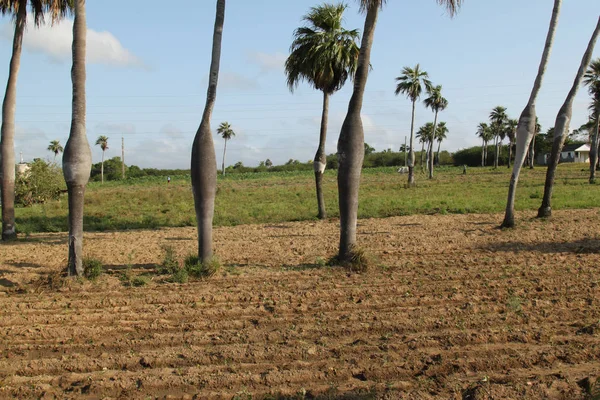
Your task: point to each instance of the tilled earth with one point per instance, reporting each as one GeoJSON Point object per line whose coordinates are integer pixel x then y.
{"type": "Point", "coordinates": [452, 308]}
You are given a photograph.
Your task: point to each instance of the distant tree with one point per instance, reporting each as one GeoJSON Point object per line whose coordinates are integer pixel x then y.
{"type": "Point", "coordinates": [486, 135]}
{"type": "Point", "coordinates": [436, 102]}
{"type": "Point", "coordinates": [411, 83]}
{"type": "Point", "coordinates": [238, 165]}
{"type": "Point", "coordinates": [102, 141]}
{"type": "Point", "coordinates": [55, 147]}
{"type": "Point", "coordinates": [226, 133]}
{"type": "Point", "coordinates": [425, 136]}
{"type": "Point", "coordinates": [268, 163]}
{"type": "Point", "coordinates": [498, 120]}
{"type": "Point", "coordinates": [325, 54]}
{"type": "Point", "coordinates": [532, 146]}
{"type": "Point", "coordinates": [369, 149]}
{"type": "Point", "coordinates": [440, 136]}
{"type": "Point", "coordinates": [511, 133]}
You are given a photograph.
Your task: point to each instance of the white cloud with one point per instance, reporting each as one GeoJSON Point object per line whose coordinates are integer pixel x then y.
{"type": "Point", "coordinates": [55, 42]}
{"type": "Point", "coordinates": [267, 62]}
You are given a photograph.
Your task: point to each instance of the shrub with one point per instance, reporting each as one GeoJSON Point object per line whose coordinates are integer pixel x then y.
{"type": "Point", "coordinates": [92, 268]}
{"type": "Point", "coordinates": [41, 183]}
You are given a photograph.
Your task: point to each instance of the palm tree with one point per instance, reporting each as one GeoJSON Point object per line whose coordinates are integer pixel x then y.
{"type": "Point", "coordinates": [55, 147]}
{"type": "Point", "coordinates": [485, 133]}
{"type": "Point", "coordinates": [511, 132]}
{"type": "Point", "coordinates": [531, 152]}
{"type": "Point", "coordinates": [591, 79]}
{"type": "Point", "coordinates": [424, 135]}
{"type": "Point", "coordinates": [226, 133]}
{"type": "Point", "coordinates": [350, 146]}
{"type": "Point", "coordinates": [440, 136]}
{"type": "Point", "coordinates": [527, 120]}
{"type": "Point", "coordinates": [102, 141]}
{"type": "Point", "coordinates": [498, 119]}
{"type": "Point", "coordinates": [561, 127]}
{"type": "Point", "coordinates": [77, 158]}
{"type": "Point", "coordinates": [411, 83]}
{"type": "Point", "coordinates": [325, 55]}
{"type": "Point", "coordinates": [436, 102]}
{"type": "Point", "coordinates": [204, 161]}
{"type": "Point", "coordinates": [18, 10]}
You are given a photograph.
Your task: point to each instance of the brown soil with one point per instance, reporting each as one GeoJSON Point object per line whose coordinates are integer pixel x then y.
{"type": "Point", "coordinates": [454, 308]}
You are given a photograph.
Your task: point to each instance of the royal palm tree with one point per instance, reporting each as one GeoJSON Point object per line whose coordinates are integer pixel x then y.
{"type": "Point", "coordinates": [18, 10]}
{"type": "Point", "coordinates": [350, 146]}
{"type": "Point", "coordinates": [325, 55]}
{"type": "Point", "coordinates": [440, 135]}
{"type": "Point", "coordinates": [527, 120]}
{"type": "Point", "coordinates": [411, 83]}
{"type": "Point", "coordinates": [424, 136]}
{"type": "Point", "coordinates": [561, 127]}
{"type": "Point", "coordinates": [511, 133]}
{"type": "Point", "coordinates": [436, 102]}
{"type": "Point", "coordinates": [56, 148]}
{"type": "Point", "coordinates": [77, 158]}
{"type": "Point", "coordinates": [102, 141]}
{"type": "Point", "coordinates": [498, 119]}
{"type": "Point", "coordinates": [226, 133]}
{"type": "Point", "coordinates": [485, 133]}
{"type": "Point", "coordinates": [204, 161]}
{"type": "Point", "coordinates": [591, 79]}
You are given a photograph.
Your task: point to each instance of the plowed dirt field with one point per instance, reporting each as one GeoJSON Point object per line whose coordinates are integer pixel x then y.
{"type": "Point", "coordinates": [453, 309]}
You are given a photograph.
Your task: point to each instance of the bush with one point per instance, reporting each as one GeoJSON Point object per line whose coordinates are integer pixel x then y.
{"type": "Point", "coordinates": [41, 183]}
{"type": "Point", "coordinates": [92, 268]}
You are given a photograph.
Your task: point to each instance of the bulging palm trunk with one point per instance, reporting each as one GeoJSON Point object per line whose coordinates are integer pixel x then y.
{"type": "Point", "coordinates": [350, 146]}
{"type": "Point", "coordinates": [431, 146]}
{"type": "Point", "coordinates": [526, 126]}
{"type": "Point", "coordinates": [561, 127]}
{"type": "Point", "coordinates": [594, 151]}
{"type": "Point", "coordinates": [204, 161]}
{"type": "Point", "coordinates": [411, 153]}
{"type": "Point", "coordinates": [7, 135]}
{"type": "Point", "coordinates": [320, 161]}
{"type": "Point", "coordinates": [77, 157]}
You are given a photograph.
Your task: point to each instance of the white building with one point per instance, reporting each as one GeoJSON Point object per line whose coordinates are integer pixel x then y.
{"type": "Point", "coordinates": [577, 153]}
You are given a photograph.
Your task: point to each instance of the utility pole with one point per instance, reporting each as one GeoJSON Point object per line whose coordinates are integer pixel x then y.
{"type": "Point", "coordinates": [122, 157]}
{"type": "Point", "coordinates": [405, 161]}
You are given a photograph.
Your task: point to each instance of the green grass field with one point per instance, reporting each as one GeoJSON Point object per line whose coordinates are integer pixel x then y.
{"type": "Point", "coordinates": [289, 196]}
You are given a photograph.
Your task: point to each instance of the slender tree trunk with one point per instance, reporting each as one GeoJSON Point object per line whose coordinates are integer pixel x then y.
{"type": "Point", "coordinates": [483, 153]}
{"type": "Point", "coordinates": [422, 163]}
{"type": "Point", "coordinates": [204, 162]}
{"type": "Point", "coordinates": [7, 135]}
{"type": "Point", "coordinates": [435, 119]}
{"type": "Point", "coordinates": [102, 168]}
{"type": "Point", "coordinates": [561, 127]}
{"type": "Point", "coordinates": [496, 153]}
{"type": "Point", "coordinates": [526, 126]}
{"type": "Point", "coordinates": [223, 166]}
{"type": "Point", "coordinates": [320, 161]}
{"type": "Point", "coordinates": [510, 146]}
{"type": "Point", "coordinates": [77, 157]}
{"type": "Point", "coordinates": [351, 147]}
{"type": "Point", "coordinates": [594, 151]}
{"type": "Point", "coordinates": [438, 153]}
{"type": "Point", "coordinates": [405, 148]}
{"type": "Point", "coordinates": [55, 154]}
{"type": "Point", "coordinates": [411, 152]}
{"type": "Point", "coordinates": [532, 152]}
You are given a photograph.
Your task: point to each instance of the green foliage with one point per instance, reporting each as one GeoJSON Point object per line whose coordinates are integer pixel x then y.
{"type": "Point", "coordinates": [41, 183]}
{"type": "Point", "coordinates": [169, 265]}
{"type": "Point", "coordinates": [197, 269]}
{"type": "Point", "coordinates": [359, 261]}
{"type": "Point", "coordinates": [92, 268]}
{"type": "Point", "coordinates": [112, 170]}
{"type": "Point", "coordinates": [139, 281]}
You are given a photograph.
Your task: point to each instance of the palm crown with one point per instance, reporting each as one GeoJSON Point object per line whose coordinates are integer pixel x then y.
{"type": "Point", "coordinates": [412, 81]}
{"type": "Point", "coordinates": [425, 133]}
{"type": "Point", "coordinates": [56, 8]}
{"type": "Point", "coordinates": [484, 132]}
{"type": "Point", "coordinates": [436, 102]}
{"type": "Point", "coordinates": [441, 131]}
{"type": "Point", "coordinates": [323, 53]}
{"type": "Point", "coordinates": [451, 5]}
{"type": "Point", "coordinates": [591, 79]}
{"type": "Point", "coordinates": [225, 131]}
{"type": "Point", "coordinates": [102, 141]}
{"type": "Point", "coordinates": [55, 147]}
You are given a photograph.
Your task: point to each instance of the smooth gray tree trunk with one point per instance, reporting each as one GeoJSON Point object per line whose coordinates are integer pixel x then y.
{"type": "Point", "coordinates": [320, 161]}
{"type": "Point", "coordinates": [102, 168]}
{"type": "Point", "coordinates": [422, 163]}
{"type": "Point", "coordinates": [223, 166]}
{"type": "Point", "coordinates": [430, 166]}
{"type": "Point", "coordinates": [204, 161]}
{"type": "Point", "coordinates": [438, 153]}
{"type": "Point", "coordinates": [561, 127]}
{"type": "Point", "coordinates": [496, 152]}
{"type": "Point", "coordinates": [526, 126]}
{"type": "Point", "coordinates": [510, 146]}
{"type": "Point", "coordinates": [411, 152]}
{"type": "Point", "coordinates": [532, 152]}
{"type": "Point", "coordinates": [77, 157]}
{"type": "Point", "coordinates": [351, 147]}
{"type": "Point", "coordinates": [7, 135]}
{"type": "Point", "coordinates": [483, 153]}
{"type": "Point", "coordinates": [594, 151]}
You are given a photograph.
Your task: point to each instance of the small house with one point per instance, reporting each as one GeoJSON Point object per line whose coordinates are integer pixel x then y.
{"type": "Point", "coordinates": [575, 153]}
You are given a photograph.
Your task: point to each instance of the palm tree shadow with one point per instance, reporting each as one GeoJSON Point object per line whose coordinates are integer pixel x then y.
{"type": "Point", "coordinates": [582, 246]}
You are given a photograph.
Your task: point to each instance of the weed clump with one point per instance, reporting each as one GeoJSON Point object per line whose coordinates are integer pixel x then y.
{"type": "Point", "coordinates": [169, 265]}
{"type": "Point", "coordinates": [197, 269]}
{"type": "Point", "coordinates": [92, 268]}
{"type": "Point", "coordinates": [359, 261]}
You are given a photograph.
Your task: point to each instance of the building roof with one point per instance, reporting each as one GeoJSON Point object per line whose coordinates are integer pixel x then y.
{"type": "Point", "coordinates": [575, 147]}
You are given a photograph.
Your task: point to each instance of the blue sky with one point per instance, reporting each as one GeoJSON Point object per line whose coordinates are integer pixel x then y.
{"type": "Point", "coordinates": [148, 67]}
